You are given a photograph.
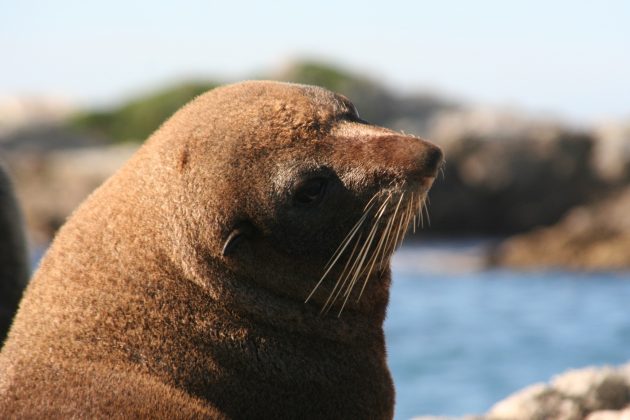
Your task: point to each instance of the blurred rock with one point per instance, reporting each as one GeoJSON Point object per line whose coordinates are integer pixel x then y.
{"type": "Point", "coordinates": [570, 396]}
{"type": "Point", "coordinates": [594, 237]}
{"type": "Point", "coordinates": [610, 415]}
{"type": "Point", "coordinates": [536, 402]}
{"type": "Point", "coordinates": [50, 185]}
{"type": "Point", "coordinates": [21, 112]}
{"type": "Point", "coordinates": [53, 166]}
{"type": "Point", "coordinates": [506, 173]}
{"type": "Point", "coordinates": [612, 151]}
{"type": "Point", "coordinates": [595, 388]}
{"type": "Point", "coordinates": [447, 418]}
{"type": "Point", "coordinates": [594, 393]}
{"type": "Point", "coordinates": [42, 138]}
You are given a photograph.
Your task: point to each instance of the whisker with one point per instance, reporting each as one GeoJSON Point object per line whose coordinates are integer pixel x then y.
{"type": "Point", "coordinates": [341, 280]}
{"type": "Point", "coordinates": [345, 274]}
{"type": "Point", "coordinates": [357, 269]}
{"type": "Point", "coordinates": [398, 235]}
{"type": "Point", "coordinates": [371, 202]}
{"type": "Point", "coordinates": [348, 237]}
{"type": "Point", "coordinates": [338, 252]}
{"type": "Point", "coordinates": [389, 234]}
{"type": "Point", "coordinates": [388, 245]}
{"type": "Point", "coordinates": [386, 238]}
{"type": "Point", "coordinates": [408, 217]}
{"type": "Point", "coordinates": [376, 247]}
{"type": "Point", "coordinates": [377, 256]}
{"type": "Point", "coordinates": [369, 241]}
{"type": "Point", "coordinates": [411, 211]}
{"type": "Point", "coordinates": [426, 209]}
{"type": "Point", "coordinates": [421, 216]}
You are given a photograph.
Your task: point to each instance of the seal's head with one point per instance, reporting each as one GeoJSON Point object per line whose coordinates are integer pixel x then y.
{"type": "Point", "coordinates": [299, 194]}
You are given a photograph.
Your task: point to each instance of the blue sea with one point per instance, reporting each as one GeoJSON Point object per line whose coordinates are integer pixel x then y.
{"type": "Point", "coordinates": [461, 337]}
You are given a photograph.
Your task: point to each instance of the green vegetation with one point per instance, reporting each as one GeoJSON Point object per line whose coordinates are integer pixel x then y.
{"type": "Point", "coordinates": [136, 120]}
{"type": "Point", "coordinates": [372, 100]}
{"type": "Point", "coordinates": [333, 78]}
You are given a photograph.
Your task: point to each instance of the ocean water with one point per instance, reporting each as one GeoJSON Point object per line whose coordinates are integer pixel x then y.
{"type": "Point", "coordinates": [461, 338]}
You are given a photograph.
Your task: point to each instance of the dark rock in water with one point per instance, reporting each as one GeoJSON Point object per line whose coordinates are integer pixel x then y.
{"type": "Point", "coordinates": [14, 268]}
{"type": "Point", "coordinates": [593, 237]}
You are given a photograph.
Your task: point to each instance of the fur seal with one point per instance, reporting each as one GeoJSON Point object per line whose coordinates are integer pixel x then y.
{"type": "Point", "coordinates": [205, 278]}
{"type": "Point", "coordinates": [14, 268]}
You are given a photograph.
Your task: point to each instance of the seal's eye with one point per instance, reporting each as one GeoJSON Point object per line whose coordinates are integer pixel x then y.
{"type": "Point", "coordinates": [310, 191]}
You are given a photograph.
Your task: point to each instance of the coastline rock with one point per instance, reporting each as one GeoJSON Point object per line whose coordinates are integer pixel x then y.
{"type": "Point", "coordinates": [610, 415]}
{"type": "Point", "coordinates": [537, 402]}
{"type": "Point", "coordinates": [504, 172]}
{"type": "Point", "coordinates": [595, 388]}
{"type": "Point", "coordinates": [17, 113]}
{"type": "Point", "coordinates": [574, 394]}
{"type": "Point", "coordinates": [612, 151]}
{"type": "Point", "coordinates": [592, 237]}
{"type": "Point", "coordinates": [592, 393]}
{"type": "Point", "coordinates": [51, 185]}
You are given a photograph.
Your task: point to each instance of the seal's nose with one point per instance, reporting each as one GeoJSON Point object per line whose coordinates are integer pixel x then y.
{"type": "Point", "coordinates": [400, 156]}
{"type": "Point", "coordinates": [431, 159]}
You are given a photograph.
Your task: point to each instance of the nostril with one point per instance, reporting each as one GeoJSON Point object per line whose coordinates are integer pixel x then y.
{"type": "Point", "coordinates": [432, 158]}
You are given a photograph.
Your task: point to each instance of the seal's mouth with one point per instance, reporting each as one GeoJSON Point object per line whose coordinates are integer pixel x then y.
{"type": "Point", "coordinates": [369, 245]}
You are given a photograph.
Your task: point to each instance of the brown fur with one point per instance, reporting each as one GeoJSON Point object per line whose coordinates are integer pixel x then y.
{"type": "Point", "coordinates": [14, 269]}
{"type": "Point", "coordinates": [135, 310]}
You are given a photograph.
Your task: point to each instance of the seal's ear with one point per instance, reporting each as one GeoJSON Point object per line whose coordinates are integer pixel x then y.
{"type": "Point", "coordinates": [241, 231]}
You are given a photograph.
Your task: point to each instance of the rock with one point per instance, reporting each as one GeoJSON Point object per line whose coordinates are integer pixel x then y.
{"type": "Point", "coordinates": [50, 185]}
{"type": "Point", "coordinates": [595, 388]}
{"type": "Point", "coordinates": [448, 418]}
{"type": "Point", "coordinates": [536, 402]}
{"type": "Point", "coordinates": [593, 237]}
{"type": "Point", "coordinates": [17, 113]}
{"type": "Point", "coordinates": [610, 415]}
{"type": "Point", "coordinates": [612, 151]}
{"type": "Point", "coordinates": [571, 395]}
{"type": "Point", "coordinates": [503, 172]}
{"type": "Point", "coordinates": [593, 393]}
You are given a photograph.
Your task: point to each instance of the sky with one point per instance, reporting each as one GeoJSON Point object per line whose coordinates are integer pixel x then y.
{"type": "Point", "coordinates": [566, 59]}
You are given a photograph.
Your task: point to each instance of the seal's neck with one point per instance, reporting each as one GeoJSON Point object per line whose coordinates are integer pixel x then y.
{"type": "Point", "coordinates": [246, 299]}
